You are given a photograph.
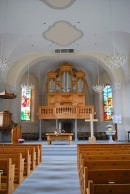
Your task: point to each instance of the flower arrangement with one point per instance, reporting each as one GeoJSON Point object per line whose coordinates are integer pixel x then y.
{"type": "Point", "coordinates": [20, 140]}
{"type": "Point", "coordinates": [109, 127]}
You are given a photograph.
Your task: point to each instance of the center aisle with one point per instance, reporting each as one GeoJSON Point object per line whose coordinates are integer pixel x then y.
{"type": "Point", "coordinates": [57, 174]}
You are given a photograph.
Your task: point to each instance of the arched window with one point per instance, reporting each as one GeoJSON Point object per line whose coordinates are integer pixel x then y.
{"type": "Point", "coordinates": [25, 104]}
{"type": "Point", "coordinates": [107, 102]}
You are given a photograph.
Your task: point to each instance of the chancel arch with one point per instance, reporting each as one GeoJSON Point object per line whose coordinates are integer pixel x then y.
{"type": "Point", "coordinates": [52, 64]}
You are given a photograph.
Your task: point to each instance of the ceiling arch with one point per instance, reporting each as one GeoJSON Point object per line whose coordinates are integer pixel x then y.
{"type": "Point", "coordinates": [40, 63]}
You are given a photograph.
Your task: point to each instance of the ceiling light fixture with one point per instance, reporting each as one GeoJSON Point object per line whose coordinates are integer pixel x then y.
{"type": "Point", "coordinates": [116, 60]}
{"type": "Point", "coordinates": [28, 85]}
{"type": "Point", "coordinates": [4, 62]}
{"type": "Point", "coordinates": [98, 88]}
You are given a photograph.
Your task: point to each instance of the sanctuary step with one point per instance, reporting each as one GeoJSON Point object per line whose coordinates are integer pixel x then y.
{"type": "Point", "coordinates": [59, 150]}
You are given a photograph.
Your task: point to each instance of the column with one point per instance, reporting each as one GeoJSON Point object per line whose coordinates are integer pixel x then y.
{"type": "Point", "coordinates": [118, 109]}
{"type": "Point", "coordinates": [59, 127]}
{"type": "Point", "coordinates": [75, 126]}
{"type": "Point", "coordinates": [126, 111]}
{"type": "Point", "coordinates": [40, 130]}
{"type": "Point", "coordinates": [14, 104]}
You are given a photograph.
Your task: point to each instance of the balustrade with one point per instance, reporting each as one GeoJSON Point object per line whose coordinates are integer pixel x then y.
{"type": "Point", "coordinates": [61, 112]}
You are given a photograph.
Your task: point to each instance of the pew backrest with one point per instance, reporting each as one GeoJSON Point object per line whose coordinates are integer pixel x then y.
{"type": "Point", "coordinates": [8, 170]}
{"type": "Point", "coordinates": [19, 165]}
{"type": "Point", "coordinates": [108, 164]}
{"type": "Point", "coordinates": [26, 156]}
{"type": "Point", "coordinates": [108, 188]}
{"type": "Point", "coordinates": [106, 176]}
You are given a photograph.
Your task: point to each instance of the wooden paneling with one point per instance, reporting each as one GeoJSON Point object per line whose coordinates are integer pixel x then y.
{"type": "Point", "coordinates": [5, 119]}
{"type": "Point", "coordinates": [16, 134]}
{"type": "Point", "coordinates": [66, 98]}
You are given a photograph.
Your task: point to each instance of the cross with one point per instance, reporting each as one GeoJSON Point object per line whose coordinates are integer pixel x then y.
{"type": "Point", "coordinates": [91, 120]}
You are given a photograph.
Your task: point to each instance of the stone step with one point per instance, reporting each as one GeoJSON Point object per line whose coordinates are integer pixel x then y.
{"type": "Point", "coordinates": [73, 153]}
{"type": "Point", "coordinates": [59, 154]}
{"type": "Point", "coordinates": [58, 150]}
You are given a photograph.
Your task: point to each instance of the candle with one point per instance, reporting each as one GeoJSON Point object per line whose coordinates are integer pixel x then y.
{"type": "Point", "coordinates": [59, 127]}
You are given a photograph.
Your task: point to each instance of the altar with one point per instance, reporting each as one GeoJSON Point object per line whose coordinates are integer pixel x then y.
{"type": "Point", "coordinates": [59, 137]}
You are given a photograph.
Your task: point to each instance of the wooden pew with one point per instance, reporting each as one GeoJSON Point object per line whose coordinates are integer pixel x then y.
{"type": "Point", "coordinates": [84, 154]}
{"type": "Point", "coordinates": [107, 157]}
{"type": "Point", "coordinates": [7, 178]}
{"type": "Point", "coordinates": [106, 164]}
{"type": "Point", "coordinates": [19, 165]}
{"type": "Point", "coordinates": [32, 155]}
{"type": "Point", "coordinates": [38, 149]}
{"type": "Point", "coordinates": [101, 153]}
{"type": "Point", "coordinates": [102, 156]}
{"type": "Point", "coordinates": [81, 147]}
{"type": "Point", "coordinates": [25, 155]}
{"type": "Point", "coordinates": [86, 148]}
{"type": "Point", "coordinates": [22, 149]}
{"type": "Point", "coordinates": [103, 145]}
{"type": "Point", "coordinates": [100, 164]}
{"type": "Point", "coordinates": [108, 188]}
{"type": "Point", "coordinates": [1, 172]}
{"type": "Point", "coordinates": [106, 176]}
{"type": "Point", "coordinates": [120, 152]}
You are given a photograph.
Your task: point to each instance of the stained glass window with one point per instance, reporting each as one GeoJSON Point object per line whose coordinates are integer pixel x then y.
{"type": "Point", "coordinates": [26, 104]}
{"type": "Point", "coordinates": [108, 106]}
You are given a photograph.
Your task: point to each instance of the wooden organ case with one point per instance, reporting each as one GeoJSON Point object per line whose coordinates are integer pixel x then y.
{"type": "Point", "coordinates": [66, 87]}
{"type": "Point", "coordinates": [66, 92]}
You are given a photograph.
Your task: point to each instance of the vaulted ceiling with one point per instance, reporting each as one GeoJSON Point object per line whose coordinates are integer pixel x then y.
{"type": "Point", "coordinates": [31, 31]}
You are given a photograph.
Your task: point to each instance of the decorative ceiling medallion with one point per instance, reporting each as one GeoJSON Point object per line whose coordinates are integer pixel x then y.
{"type": "Point", "coordinates": [62, 33]}
{"type": "Point", "coordinates": [58, 4]}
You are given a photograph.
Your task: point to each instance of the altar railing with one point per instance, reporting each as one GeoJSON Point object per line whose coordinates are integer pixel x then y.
{"type": "Point", "coordinates": [65, 112]}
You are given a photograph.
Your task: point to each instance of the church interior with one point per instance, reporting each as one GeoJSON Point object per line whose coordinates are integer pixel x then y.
{"type": "Point", "coordinates": [65, 75]}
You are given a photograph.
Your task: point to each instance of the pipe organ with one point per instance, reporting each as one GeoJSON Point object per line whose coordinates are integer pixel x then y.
{"type": "Point", "coordinates": [66, 86]}
{"type": "Point", "coordinates": [66, 90]}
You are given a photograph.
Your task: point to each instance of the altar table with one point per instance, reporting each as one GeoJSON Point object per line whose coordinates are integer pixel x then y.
{"type": "Point", "coordinates": [59, 137]}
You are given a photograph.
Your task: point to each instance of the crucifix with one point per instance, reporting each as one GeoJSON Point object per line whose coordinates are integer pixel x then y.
{"type": "Point", "coordinates": [92, 139]}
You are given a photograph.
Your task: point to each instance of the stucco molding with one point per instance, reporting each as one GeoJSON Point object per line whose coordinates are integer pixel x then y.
{"type": "Point", "coordinates": [62, 33]}
{"type": "Point", "coordinates": [58, 4]}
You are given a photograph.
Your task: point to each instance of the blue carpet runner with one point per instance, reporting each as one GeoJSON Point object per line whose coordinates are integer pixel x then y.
{"type": "Point", "coordinates": [57, 174]}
